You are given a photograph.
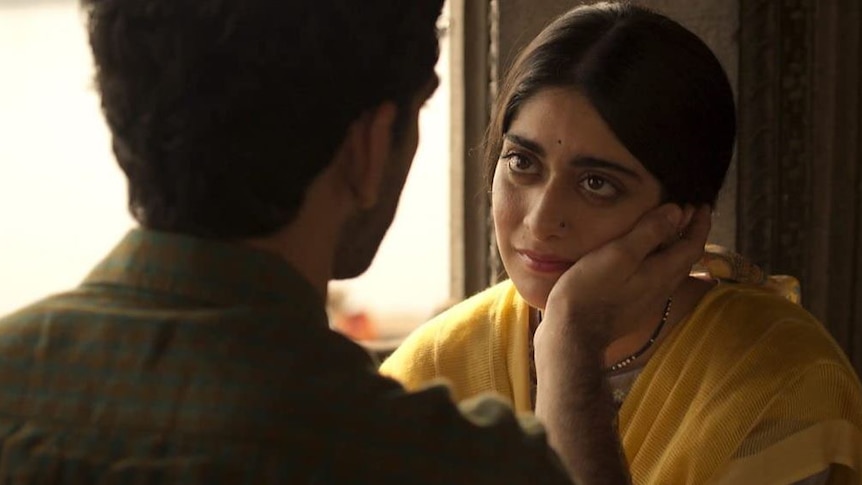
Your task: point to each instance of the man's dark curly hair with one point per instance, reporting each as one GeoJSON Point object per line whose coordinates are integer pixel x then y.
{"type": "Point", "coordinates": [223, 111]}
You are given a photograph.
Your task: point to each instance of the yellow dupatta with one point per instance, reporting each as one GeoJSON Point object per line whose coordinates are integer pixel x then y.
{"type": "Point", "coordinates": [748, 389]}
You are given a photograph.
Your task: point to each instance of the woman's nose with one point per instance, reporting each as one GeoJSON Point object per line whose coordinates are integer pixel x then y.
{"type": "Point", "coordinates": [545, 217]}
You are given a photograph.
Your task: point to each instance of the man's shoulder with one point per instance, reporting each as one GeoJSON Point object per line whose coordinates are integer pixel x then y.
{"type": "Point", "coordinates": [51, 304]}
{"type": "Point", "coordinates": [480, 440]}
{"type": "Point", "coordinates": [382, 435]}
{"type": "Point", "coordinates": [257, 392]}
{"type": "Point", "coordinates": [181, 366]}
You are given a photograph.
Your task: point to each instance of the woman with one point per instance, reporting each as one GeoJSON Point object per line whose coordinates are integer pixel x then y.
{"type": "Point", "coordinates": [610, 112]}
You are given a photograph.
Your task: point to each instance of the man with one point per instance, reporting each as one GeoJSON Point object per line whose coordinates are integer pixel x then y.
{"type": "Point", "coordinates": [265, 144]}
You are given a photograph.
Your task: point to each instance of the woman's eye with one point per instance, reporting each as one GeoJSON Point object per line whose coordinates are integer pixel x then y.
{"type": "Point", "coordinates": [599, 186]}
{"type": "Point", "coordinates": [520, 165]}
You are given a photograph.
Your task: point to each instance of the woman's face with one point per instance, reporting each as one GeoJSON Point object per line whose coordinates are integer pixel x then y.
{"type": "Point", "coordinates": [564, 185]}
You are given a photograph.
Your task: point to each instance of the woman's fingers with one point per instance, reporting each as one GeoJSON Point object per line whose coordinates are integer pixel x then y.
{"type": "Point", "coordinates": [653, 230]}
{"type": "Point", "coordinates": [634, 272]}
{"type": "Point", "coordinates": [667, 268]}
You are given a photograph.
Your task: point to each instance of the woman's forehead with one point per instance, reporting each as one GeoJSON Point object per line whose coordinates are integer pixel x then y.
{"type": "Point", "coordinates": [563, 122]}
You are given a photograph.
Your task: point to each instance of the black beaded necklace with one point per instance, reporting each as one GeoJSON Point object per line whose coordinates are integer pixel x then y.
{"type": "Point", "coordinates": [628, 360]}
{"type": "Point", "coordinates": [619, 365]}
{"type": "Point", "coordinates": [633, 357]}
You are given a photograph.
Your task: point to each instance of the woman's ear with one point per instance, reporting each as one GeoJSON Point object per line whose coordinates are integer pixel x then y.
{"type": "Point", "coordinates": [367, 149]}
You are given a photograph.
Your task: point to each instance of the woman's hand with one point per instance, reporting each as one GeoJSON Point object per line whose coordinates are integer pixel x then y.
{"type": "Point", "coordinates": [593, 303]}
{"type": "Point", "coordinates": [609, 290]}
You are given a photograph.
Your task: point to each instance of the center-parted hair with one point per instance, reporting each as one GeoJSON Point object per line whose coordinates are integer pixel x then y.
{"type": "Point", "coordinates": [659, 88]}
{"type": "Point", "coordinates": [224, 111]}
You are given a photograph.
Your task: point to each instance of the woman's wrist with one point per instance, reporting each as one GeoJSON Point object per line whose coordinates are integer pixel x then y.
{"type": "Point", "coordinates": [585, 332]}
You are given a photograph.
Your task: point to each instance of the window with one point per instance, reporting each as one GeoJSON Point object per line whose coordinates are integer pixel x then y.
{"type": "Point", "coordinates": [409, 279]}
{"type": "Point", "coordinates": [62, 196]}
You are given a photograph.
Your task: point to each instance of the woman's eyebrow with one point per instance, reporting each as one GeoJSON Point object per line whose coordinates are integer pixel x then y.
{"type": "Point", "coordinates": [525, 142]}
{"type": "Point", "coordinates": [579, 161]}
{"type": "Point", "coordinates": [593, 162]}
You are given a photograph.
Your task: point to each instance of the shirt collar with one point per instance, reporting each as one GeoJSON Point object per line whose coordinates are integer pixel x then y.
{"type": "Point", "coordinates": [211, 272]}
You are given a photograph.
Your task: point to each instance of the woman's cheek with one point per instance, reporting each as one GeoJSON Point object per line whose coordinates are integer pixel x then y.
{"type": "Point", "coordinates": [507, 207]}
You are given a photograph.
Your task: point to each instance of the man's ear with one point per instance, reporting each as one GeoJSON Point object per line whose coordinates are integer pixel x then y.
{"type": "Point", "coordinates": [367, 148]}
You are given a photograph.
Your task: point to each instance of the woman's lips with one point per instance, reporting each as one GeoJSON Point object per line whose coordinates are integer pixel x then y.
{"type": "Point", "coordinates": [544, 263]}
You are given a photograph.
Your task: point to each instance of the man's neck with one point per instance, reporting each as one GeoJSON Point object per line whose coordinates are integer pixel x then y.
{"type": "Point", "coordinates": [312, 261]}
{"type": "Point", "coordinates": [309, 242]}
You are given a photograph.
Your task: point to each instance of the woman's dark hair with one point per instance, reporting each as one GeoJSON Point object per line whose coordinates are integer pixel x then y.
{"type": "Point", "coordinates": [658, 87]}
{"type": "Point", "coordinates": [223, 111]}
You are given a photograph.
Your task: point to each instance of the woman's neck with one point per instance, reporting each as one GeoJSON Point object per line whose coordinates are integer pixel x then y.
{"type": "Point", "coordinates": [685, 299]}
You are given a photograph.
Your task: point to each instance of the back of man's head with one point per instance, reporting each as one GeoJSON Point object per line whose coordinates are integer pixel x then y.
{"type": "Point", "coordinates": [224, 111]}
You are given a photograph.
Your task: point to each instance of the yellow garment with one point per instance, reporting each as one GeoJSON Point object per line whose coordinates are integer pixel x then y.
{"type": "Point", "coordinates": [750, 388]}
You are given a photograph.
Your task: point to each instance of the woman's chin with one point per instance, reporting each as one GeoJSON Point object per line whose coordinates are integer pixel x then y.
{"type": "Point", "coordinates": [536, 295]}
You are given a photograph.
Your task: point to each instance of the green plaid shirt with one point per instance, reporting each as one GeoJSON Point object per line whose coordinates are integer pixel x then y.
{"type": "Point", "coordinates": [180, 360]}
